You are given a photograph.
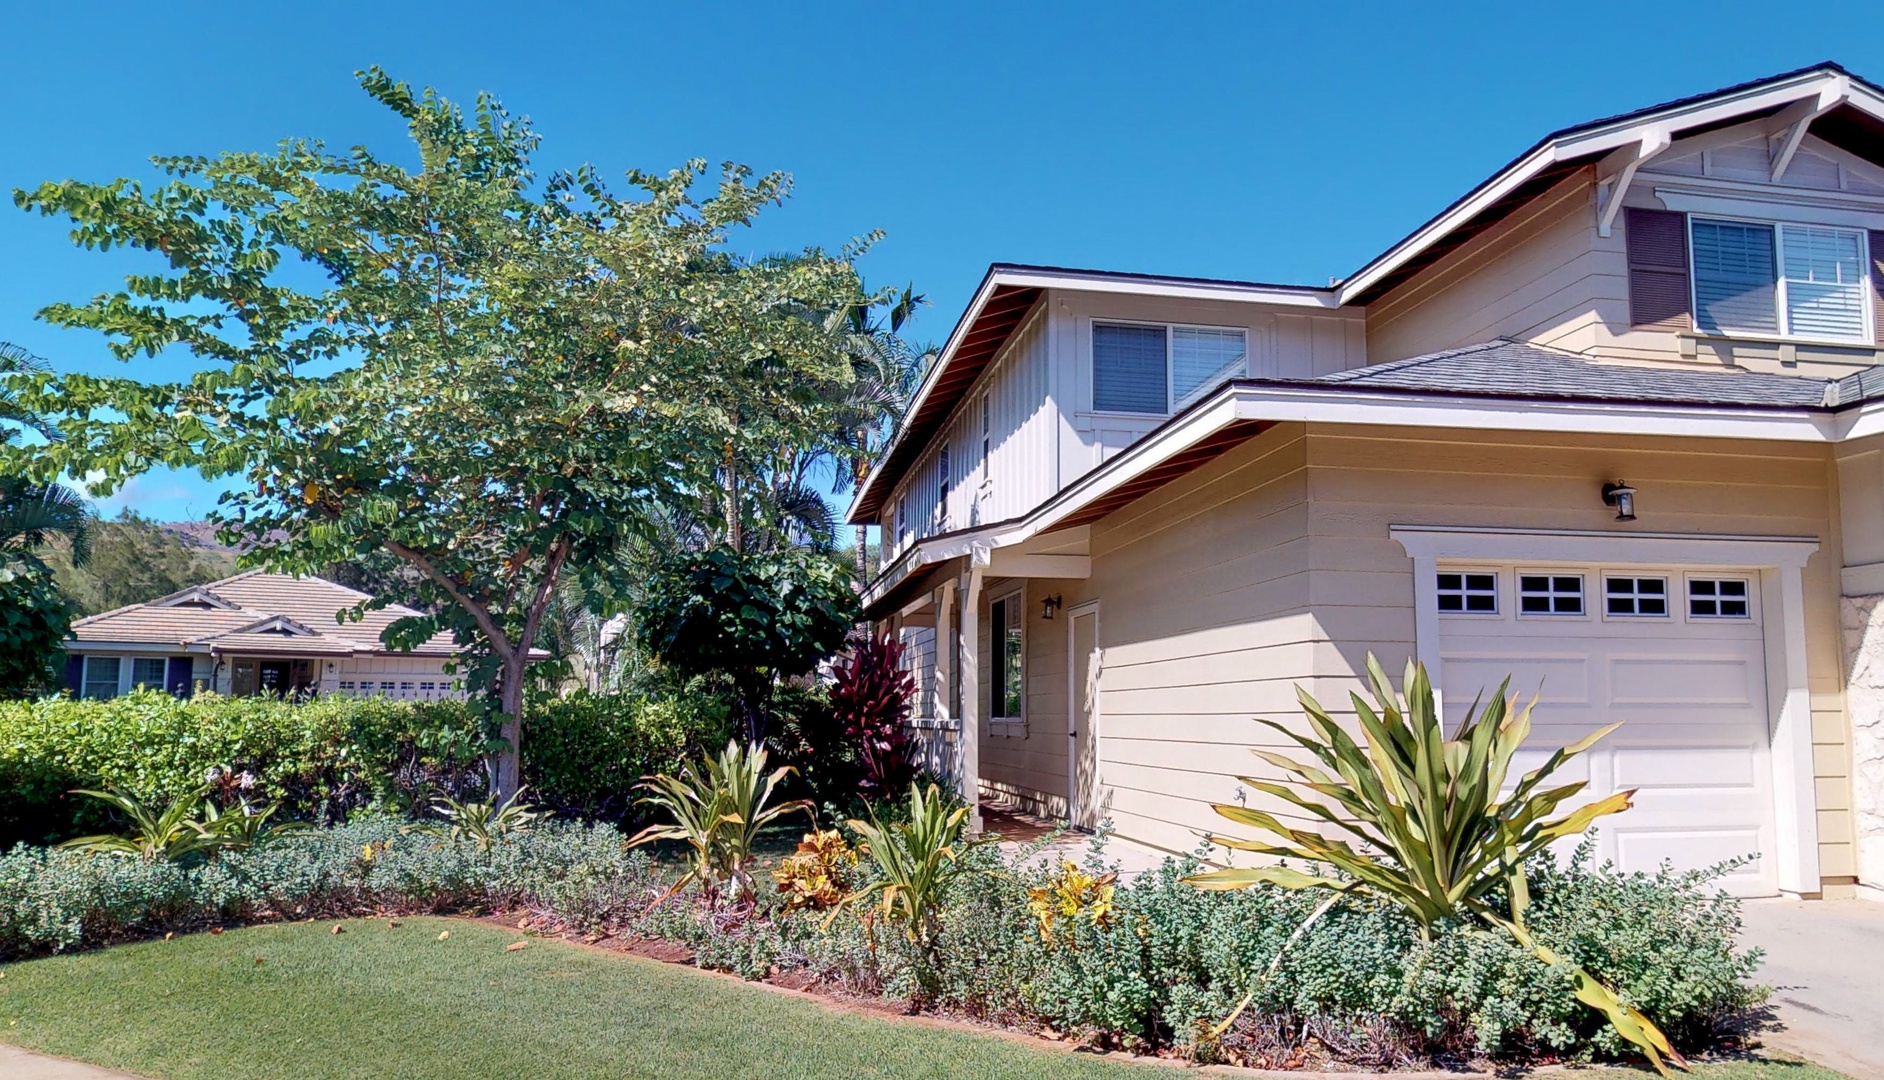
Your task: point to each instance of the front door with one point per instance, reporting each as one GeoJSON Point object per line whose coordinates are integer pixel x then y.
{"type": "Point", "coordinates": [1083, 803]}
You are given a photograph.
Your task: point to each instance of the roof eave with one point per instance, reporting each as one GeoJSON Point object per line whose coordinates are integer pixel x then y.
{"type": "Point", "coordinates": [1588, 142]}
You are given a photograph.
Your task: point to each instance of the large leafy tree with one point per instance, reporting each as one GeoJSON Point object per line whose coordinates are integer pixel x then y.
{"type": "Point", "coordinates": [34, 615]}
{"type": "Point", "coordinates": [496, 377]}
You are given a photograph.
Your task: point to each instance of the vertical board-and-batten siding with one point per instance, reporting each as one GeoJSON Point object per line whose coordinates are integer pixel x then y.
{"type": "Point", "coordinates": [1020, 473]}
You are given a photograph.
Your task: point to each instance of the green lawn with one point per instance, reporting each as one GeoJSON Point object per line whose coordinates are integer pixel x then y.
{"type": "Point", "coordinates": [397, 1002]}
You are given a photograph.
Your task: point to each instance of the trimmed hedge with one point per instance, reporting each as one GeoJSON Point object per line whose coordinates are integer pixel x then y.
{"type": "Point", "coordinates": [327, 757]}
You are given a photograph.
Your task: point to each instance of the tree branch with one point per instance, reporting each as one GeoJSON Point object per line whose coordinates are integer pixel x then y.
{"type": "Point", "coordinates": [499, 640]}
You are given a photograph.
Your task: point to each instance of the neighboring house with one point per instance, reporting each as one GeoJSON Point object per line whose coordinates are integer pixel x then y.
{"type": "Point", "coordinates": [255, 633]}
{"type": "Point", "coordinates": [1612, 423]}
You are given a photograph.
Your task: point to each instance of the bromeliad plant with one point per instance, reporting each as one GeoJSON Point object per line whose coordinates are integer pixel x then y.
{"type": "Point", "coordinates": [175, 832]}
{"type": "Point", "coordinates": [483, 823]}
{"type": "Point", "coordinates": [916, 861]}
{"type": "Point", "coordinates": [1432, 832]}
{"type": "Point", "coordinates": [718, 808]}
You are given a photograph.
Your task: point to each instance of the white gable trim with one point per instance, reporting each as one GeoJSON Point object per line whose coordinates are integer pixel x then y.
{"type": "Point", "coordinates": [1810, 86]}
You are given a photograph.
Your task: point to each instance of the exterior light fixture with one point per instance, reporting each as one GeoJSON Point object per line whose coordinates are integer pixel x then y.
{"type": "Point", "coordinates": [1049, 605]}
{"type": "Point", "coordinates": [1621, 496]}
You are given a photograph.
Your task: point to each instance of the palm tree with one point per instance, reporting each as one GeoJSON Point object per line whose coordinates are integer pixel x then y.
{"type": "Point", "coordinates": [31, 514]}
{"type": "Point", "coordinates": [887, 369]}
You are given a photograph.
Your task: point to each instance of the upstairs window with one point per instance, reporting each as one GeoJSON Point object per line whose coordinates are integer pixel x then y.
{"type": "Point", "coordinates": [1160, 369]}
{"type": "Point", "coordinates": [1784, 280]}
{"type": "Point", "coordinates": [942, 488]}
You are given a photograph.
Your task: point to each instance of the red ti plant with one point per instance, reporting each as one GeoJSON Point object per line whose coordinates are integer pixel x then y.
{"type": "Point", "coordinates": [871, 700]}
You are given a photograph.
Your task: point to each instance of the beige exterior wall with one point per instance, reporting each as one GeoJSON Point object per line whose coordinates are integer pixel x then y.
{"type": "Point", "coordinates": [1547, 276]}
{"type": "Point", "coordinates": [1273, 566]}
{"type": "Point", "coordinates": [1861, 505]}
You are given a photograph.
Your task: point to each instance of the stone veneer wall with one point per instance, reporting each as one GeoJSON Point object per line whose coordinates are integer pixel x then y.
{"type": "Point", "coordinates": [1863, 622]}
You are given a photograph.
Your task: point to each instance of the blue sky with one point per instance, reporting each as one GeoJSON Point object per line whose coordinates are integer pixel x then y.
{"type": "Point", "coordinates": [1256, 141]}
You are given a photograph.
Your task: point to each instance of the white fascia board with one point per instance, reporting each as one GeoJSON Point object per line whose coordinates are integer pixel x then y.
{"type": "Point", "coordinates": [124, 648]}
{"type": "Point", "coordinates": [1858, 423]}
{"type": "Point", "coordinates": [1136, 285]}
{"type": "Point", "coordinates": [1601, 140]}
{"type": "Point", "coordinates": [1346, 406]}
{"type": "Point", "coordinates": [1097, 282]}
{"type": "Point", "coordinates": [942, 361]}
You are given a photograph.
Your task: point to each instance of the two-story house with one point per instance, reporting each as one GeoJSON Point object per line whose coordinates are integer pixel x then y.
{"type": "Point", "coordinates": [1612, 423]}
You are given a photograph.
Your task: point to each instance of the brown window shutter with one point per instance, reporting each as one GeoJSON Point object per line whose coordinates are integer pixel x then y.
{"type": "Point", "coordinates": [1877, 285]}
{"type": "Point", "coordinates": [1657, 240]}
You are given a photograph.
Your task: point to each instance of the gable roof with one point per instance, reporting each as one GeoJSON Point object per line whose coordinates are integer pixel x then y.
{"type": "Point", "coordinates": [1849, 115]}
{"type": "Point", "coordinates": [256, 611]}
{"type": "Point", "coordinates": [1841, 108]}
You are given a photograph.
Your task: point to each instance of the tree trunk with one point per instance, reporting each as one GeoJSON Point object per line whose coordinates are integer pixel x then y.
{"type": "Point", "coordinates": [510, 758]}
{"type": "Point", "coordinates": [734, 533]}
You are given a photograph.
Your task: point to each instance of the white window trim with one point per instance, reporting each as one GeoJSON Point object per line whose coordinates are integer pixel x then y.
{"type": "Point", "coordinates": [122, 681]}
{"type": "Point", "coordinates": [1775, 563]}
{"type": "Point", "coordinates": [1016, 600]}
{"type": "Point", "coordinates": [1752, 598]}
{"type": "Point", "coordinates": [1518, 575]}
{"type": "Point", "coordinates": [1868, 339]}
{"type": "Point", "coordinates": [1669, 584]}
{"type": "Point", "coordinates": [1498, 591]}
{"type": "Point", "coordinates": [1171, 401]}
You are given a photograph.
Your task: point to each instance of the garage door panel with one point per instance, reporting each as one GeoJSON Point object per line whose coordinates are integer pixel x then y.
{"type": "Point", "coordinates": [1644, 850]}
{"type": "Point", "coordinates": [1691, 696]}
{"type": "Point", "coordinates": [1699, 768]}
{"type": "Point", "coordinates": [1684, 681]}
{"type": "Point", "coordinates": [1562, 679]}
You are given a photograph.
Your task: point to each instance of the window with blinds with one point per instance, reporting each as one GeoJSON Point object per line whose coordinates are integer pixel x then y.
{"type": "Point", "coordinates": [1157, 369]}
{"type": "Point", "coordinates": [1792, 280]}
{"type": "Point", "coordinates": [1128, 368]}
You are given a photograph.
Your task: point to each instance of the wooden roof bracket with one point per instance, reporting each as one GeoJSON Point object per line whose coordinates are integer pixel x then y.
{"type": "Point", "coordinates": [1616, 172]}
{"type": "Point", "coordinates": [1788, 127]}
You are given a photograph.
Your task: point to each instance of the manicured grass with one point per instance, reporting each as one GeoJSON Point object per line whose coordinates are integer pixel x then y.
{"type": "Point", "coordinates": [379, 1001]}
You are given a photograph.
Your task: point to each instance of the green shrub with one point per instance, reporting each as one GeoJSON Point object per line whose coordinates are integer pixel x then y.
{"type": "Point", "coordinates": [54, 900]}
{"type": "Point", "coordinates": [584, 753]}
{"type": "Point", "coordinates": [1168, 963]}
{"type": "Point", "coordinates": [321, 758]}
{"type": "Point", "coordinates": [330, 756]}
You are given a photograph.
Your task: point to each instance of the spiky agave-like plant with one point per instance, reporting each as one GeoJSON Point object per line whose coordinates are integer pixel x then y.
{"type": "Point", "coordinates": [1420, 821]}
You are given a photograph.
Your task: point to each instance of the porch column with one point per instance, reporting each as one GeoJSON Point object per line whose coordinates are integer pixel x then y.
{"type": "Point", "coordinates": [969, 736]}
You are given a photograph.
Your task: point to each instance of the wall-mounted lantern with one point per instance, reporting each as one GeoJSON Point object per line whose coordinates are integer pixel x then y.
{"type": "Point", "coordinates": [1621, 496]}
{"type": "Point", "coordinates": [1049, 605]}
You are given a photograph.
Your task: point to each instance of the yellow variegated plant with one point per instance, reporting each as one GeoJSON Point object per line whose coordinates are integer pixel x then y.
{"type": "Point", "coordinates": [1069, 896]}
{"type": "Point", "coordinates": [718, 807]}
{"type": "Point", "coordinates": [818, 874]}
{"type": "Point", "coordinates": [1422, 821]}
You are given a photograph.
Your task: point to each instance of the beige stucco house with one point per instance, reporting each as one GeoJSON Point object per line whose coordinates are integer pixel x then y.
{"type": "Point", "coordinates": [1612, 423]}
{"type": "Point", "coordinates": [256, 633]}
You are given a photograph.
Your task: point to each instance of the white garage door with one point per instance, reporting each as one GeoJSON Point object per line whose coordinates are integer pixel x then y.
{"type": "Point", "coordinates": [1677, 655]}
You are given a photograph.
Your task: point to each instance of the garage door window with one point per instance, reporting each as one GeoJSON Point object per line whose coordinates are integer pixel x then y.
{"type": "Point", "coordinates": [1718, 598]}
{"type": "Point", "coordinates": [1636, 597]}
{"type": "Point", "coordinates": [1468, 594]}
{"type": "Point", "coordinates": [1550, 594]}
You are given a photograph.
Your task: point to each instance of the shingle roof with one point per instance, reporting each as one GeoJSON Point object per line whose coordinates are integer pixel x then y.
{"type": "Point", "coordinates": [1507, 368]}
{"type": "Point", "coordinates": [303, 608]}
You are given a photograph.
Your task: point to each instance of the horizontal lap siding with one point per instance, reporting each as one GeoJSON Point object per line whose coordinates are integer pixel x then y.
{"type": "Point", "coordinates": [1203, 625]}
{"type": "Point", "coordinates": [1542, 275]}
{"type": "Point", "coordinates": [1362, 481]}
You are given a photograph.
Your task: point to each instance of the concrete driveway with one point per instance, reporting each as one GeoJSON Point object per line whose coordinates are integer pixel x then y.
{"type": "Point", "coordinates": [1825, 962]}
